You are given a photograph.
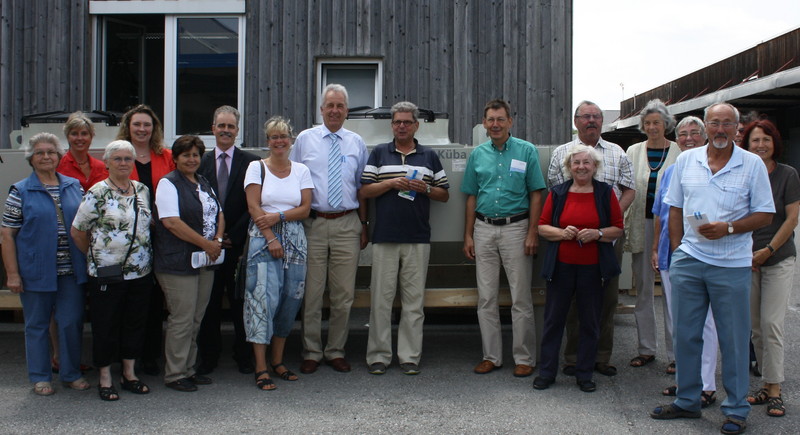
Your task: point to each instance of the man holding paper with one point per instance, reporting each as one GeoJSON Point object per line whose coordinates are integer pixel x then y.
{"type": "Point", "coordinates": [711, 264]}
{"type": "Point", "coordinates": [403, 176]}
{"type": "Point", "coordinates": [504, 184]}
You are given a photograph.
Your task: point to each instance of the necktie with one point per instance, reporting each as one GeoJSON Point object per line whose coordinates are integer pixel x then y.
{"type": "Point", "coordinates": [222, 178]}
{"type": "Point", "coordinates": [334, 173]}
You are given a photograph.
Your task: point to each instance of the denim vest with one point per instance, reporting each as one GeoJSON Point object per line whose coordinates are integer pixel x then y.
{"type": "Point", "coordinates": [37, 239]}
{"type": "Point", "coordinates": [171, 254]}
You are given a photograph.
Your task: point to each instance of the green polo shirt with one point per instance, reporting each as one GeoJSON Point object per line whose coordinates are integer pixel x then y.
{"type": "Point", "coordinates": [503, 180]}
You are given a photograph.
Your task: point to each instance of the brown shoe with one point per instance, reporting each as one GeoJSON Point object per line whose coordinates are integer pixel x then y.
{"type": "Point", "coordinates": [523, 370]}
{"type": "Point", "coordinates": [309, 366]}
{"type": "Point", "coordinates": [485, 366]}
{"type": "Point", "coordinates": [339, 364]}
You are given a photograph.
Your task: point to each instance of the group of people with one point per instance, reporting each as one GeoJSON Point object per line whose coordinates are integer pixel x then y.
{"type": "Point", "coordinates": [150, 224]}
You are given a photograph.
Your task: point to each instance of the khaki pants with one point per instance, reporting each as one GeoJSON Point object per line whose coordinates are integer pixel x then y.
{"type": "Point", "coordinates": [407, 262]}
{"type": "Point", "coordinates": [497, 246]}
{"type": "Point", "coordinates": [769, 298]}
{"type": "Point", "coordinates": [333, 250]}
{"type": "Point", "coordinates": [187, 297]}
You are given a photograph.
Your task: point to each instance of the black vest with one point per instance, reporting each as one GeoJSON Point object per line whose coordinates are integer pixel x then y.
{"type": "Point", "coordinates": [173, 255]}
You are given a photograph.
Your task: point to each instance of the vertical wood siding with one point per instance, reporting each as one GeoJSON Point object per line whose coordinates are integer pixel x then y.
{"type": "Point", "coordinates": [446, 55]}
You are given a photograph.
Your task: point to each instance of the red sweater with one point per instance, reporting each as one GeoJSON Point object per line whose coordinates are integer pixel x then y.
{"type": "Point", "coordinates": [580, 211]}
{"type": "Point", "coordinates": [69, 167]}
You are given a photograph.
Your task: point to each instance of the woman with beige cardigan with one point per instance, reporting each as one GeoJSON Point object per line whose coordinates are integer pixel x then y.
{"type": "Point", "coordinates": [650, 158]}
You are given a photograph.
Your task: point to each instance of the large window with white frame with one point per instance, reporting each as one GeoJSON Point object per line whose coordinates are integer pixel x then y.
{"type": "Point", "coordinates": [363, 78]}
{"type": "Point", "coordinates": [184, 65]}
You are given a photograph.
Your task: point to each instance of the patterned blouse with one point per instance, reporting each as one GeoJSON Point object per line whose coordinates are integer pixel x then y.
{"type": "Point", "coordinates": [108, 218]}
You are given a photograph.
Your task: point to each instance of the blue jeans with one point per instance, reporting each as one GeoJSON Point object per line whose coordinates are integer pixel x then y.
{"type": "Point", "coordinates": [67, 302]}
{"type": "Point", "coordinates": [695, 285]}
{"type": "Point", "coordinates": [273, 294]}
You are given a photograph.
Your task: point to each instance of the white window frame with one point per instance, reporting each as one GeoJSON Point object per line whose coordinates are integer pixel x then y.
{"type": "Point", "coordinates": [321, 76]}
{"type": "Point", "coordinates": [171, 73]}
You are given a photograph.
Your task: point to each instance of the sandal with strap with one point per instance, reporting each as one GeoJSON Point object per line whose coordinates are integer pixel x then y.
{"type": "Point", "coordinates": [43, 388]}
{"type": "Point", "coordinates": [642, 360]}
{"type": "Point", "coordinates": [733, 425]}
{"type": "Point", "coordinates": [109, 394]}
{"type": "Point", "coordinates": [286, 375]}
{"type": "Point", "coordinates": [707, 399]}
{"type": "Point", "coordinates": [775, 407]}
{"type": "Point", "coordinates": [759, 397]}
{"type": "Point", "coordinates": [670, 391]}
{"type": "Point", "coordinates": [266, 384]}
{"type": "Point", "coordinates": [135, 386]}
{"type": "Point", "coordinates": [671, 368]}
{"type": "Point", "coordinates": [80, 384]}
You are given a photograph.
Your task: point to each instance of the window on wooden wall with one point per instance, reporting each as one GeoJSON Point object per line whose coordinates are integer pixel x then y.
{"type": "Point", "coordinates": [363, 79]}
{"type": "Point", "coordinates": [184, 66]}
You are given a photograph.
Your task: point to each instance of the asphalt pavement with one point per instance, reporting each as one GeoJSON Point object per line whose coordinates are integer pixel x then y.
{"type": "Point", "coordinates": [446, 398]}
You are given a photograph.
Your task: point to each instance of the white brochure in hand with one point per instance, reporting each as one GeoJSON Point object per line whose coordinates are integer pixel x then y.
{"type": "Point", "coordinates": [200, 259]}
{"type": "Point", "coordinates": [697, 220]}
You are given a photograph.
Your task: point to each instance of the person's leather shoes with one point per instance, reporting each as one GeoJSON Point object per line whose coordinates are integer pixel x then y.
{"type": "Point", "coordinates": [200, 379]}
{"type": "Point", "coordinates": [523, 370]}
{"type": "Point", "coordinates": [485, 366]}
{"type": "Point", "coordinates": [245, 367]}
{"type": "Point", "coordinates": [309, 366]}
{"type": "Point", "coordinates": [183, 384]}
{"type": "Point", "coordinates": [569, 370]}
{"type": "Point", "coordinates": [339, 364]}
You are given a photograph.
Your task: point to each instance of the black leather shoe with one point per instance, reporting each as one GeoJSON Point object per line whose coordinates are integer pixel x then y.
{"type": "Point", "coordinates": [183, 384]}
{"type": "Point", "coordinates": [543, 383]}
{"type": "Point", "coordinates": [198, 379]}
{"type": "Point", "coordinates": [245, 367]}
{"type": "Point", "coordinates": [587, 385]}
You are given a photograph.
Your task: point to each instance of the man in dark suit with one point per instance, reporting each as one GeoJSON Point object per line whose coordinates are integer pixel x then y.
{"type": "Point", "coordinates": [225, 168]}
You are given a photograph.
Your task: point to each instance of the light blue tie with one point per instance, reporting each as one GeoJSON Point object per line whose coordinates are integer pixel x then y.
{"type": "Point", "coordinates": [334, 173]}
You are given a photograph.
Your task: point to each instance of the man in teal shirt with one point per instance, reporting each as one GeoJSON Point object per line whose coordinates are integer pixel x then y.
{"type": "Point", "coordinates": [504, 184]}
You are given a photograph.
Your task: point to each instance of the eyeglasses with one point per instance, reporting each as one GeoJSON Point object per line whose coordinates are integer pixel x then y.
{"type": "Point", "coordinates": [691, 133]}
{"type": "Point", "coordinates": [716, 124]}
{"type": "Point", "coordinates": [589, 117]}
{"type": "Point", "coordinates": [279, 137]}
{"type": "Point", "coordinates": [122, 159]}
{"type": "Point", "coordinates": [498, 120]}
{"type": "Point", "coordinates": [41, 153]}
{"type": "Point", "coordinates": [403, 122]}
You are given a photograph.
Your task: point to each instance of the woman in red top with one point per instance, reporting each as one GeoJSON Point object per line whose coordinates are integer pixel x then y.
{"type": "Point", "coordinates": [580, 219]}
{"type": "Point", "coordinates": [141, 127]}
{"type": "Point", "coordinates": [77, 163]}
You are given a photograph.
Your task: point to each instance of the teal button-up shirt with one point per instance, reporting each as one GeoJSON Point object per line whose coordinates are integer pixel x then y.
{"type": "Point", "coordinates": [503, 180]}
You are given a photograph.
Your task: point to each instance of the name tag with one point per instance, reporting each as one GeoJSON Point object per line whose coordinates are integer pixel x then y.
{"type": "Point", "coordinates": [518, 166]}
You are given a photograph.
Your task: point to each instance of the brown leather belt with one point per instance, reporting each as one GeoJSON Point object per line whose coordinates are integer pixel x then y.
{"type": "Point", "coordinates": [315, 214]}
{"type": "Point", "coordinates": [503, 220]}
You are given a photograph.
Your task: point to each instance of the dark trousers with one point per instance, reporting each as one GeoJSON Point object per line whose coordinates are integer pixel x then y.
{"type": "Point", "coordinates": [119, 315]}
{"type": "Point", "coordinates": [585, 284]}
{"type": "Point", "coordinates": [153, 334]}
{"type": "Point", "coordinates": [209, 338]}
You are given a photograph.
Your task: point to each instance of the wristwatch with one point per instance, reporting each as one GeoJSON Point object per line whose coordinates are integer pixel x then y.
{"type": "Point", "coordinates": [730, 227]}
{"type": "Point", "coordinates": [427, 189]}
{"type": "Point", "coordinates": [219, 239]}
{"type": "Point", "coordinates": [283, 216]}
{"type": "Point", "coordinates": [599, 231]}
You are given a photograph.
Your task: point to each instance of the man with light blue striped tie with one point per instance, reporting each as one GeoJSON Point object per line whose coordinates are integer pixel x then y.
{"type": "Point", "coordinates": [336, 228]}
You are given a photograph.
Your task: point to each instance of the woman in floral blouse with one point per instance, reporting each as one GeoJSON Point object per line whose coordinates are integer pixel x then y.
{"type": "Point", "coordinates": [113, 227]}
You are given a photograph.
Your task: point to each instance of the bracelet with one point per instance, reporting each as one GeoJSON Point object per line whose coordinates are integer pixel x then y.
{"type": "Point", "coordinates": [270, 241]}
{"type": "Point", "coordinates": [771, 249]}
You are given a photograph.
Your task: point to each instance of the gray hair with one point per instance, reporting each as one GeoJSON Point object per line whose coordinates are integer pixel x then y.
{"type": "Point", "coordinates": [118, 145]}
{"type": "Point", "coordinates": [406, 107]}
{"type": "Point", "coordinates": [692, 120]}
{"type": "Point", "coordinates": [42, 138]}
{"type": "Point", "coordinates": [335, 87]}
{"type": "Point", "coordinates": [580, 149]}
{"type": "Point", "coordinates": [722, 103]}
{"type": "Point", "coordinates": [226, 109]}
{"type": "Point", "coordinates": [656, 106]}
{"type": "Point", "coordinates": [587, 103]}
{"type": "Point", "coordinates": [78, 120]}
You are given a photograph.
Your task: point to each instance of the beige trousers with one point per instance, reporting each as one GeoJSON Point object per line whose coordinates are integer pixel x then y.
{"type": "Point", "coordinates": [769, 298]}
{"type": "Point", "coordinates": [497, 246]}
{"type": "Point", "coordinates": [408, 264]}
{"type": "Point", "coordinates": [187, 297]}
{"type": "Point", "coordinates": [333, 250]}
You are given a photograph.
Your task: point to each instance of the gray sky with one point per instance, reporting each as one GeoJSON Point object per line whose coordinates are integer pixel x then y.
{"type": "Point", "coordinates": [644, 44]}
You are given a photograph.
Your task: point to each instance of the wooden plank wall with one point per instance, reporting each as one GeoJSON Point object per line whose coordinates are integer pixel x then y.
{"type": "Point", "coordinates": [446, 55]}
{"type": "Point", "coordinates": [44, 59]}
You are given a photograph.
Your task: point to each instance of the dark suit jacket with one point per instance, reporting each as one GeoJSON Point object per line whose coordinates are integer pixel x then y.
{"type": "Point", "coordinates": [235, 210]}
